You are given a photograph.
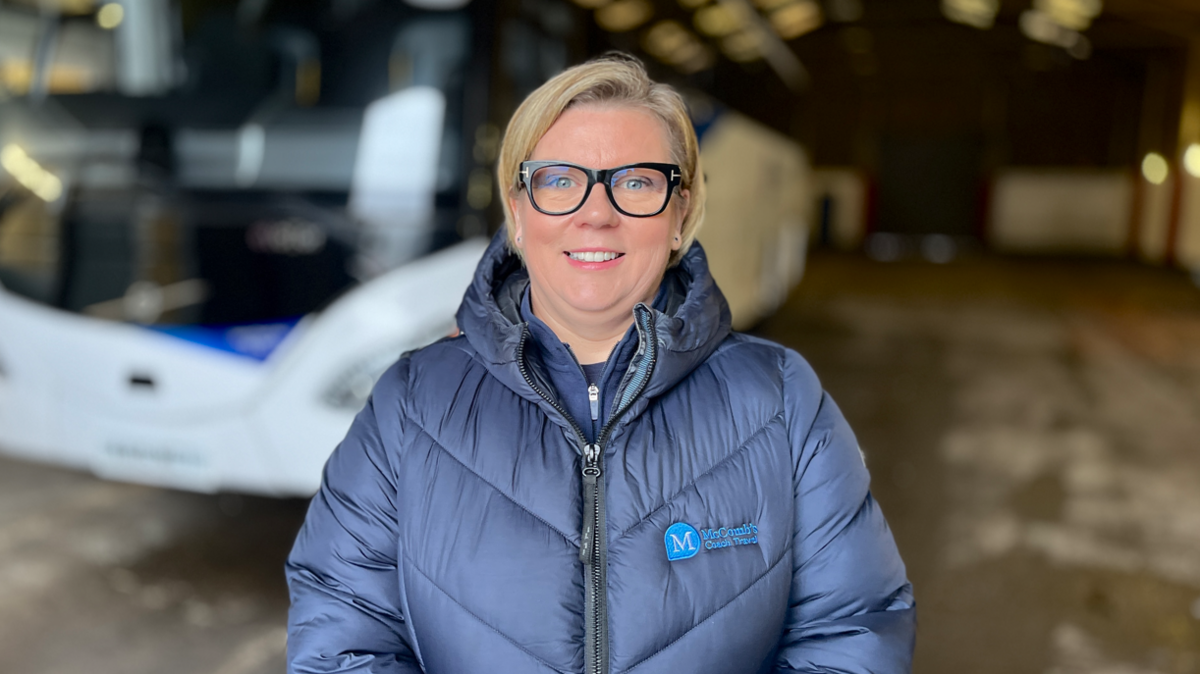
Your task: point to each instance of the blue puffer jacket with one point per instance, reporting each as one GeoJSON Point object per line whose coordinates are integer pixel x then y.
{"type": "Point", "coordinates": [722, 523]}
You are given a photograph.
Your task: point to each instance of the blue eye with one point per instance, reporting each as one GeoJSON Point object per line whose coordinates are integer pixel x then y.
{"type": "Point", "coordinates": [636, 180]}
{"type": "Point", "coordinates": [552, 181]}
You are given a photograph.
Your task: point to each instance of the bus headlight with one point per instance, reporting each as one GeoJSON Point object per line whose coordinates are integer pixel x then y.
{"type": "Point", "coordinates": [349, 391]}
{"type": "Point", "coordinates": [351, 388]}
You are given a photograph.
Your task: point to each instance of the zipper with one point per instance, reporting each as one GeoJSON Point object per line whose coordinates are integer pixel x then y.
{"type": "Point", "coordinates": [593, 549]}
{"type": "Point", "coordinates": [546, 396]}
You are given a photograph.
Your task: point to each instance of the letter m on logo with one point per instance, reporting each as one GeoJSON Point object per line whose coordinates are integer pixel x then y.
{"type": "Point", "coordinates": [682, 541]}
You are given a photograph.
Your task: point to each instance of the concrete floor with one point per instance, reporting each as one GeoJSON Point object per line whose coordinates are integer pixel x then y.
{"type": "Point", "coordinates": [1033, 433]}
{"type": "Point", "coordinates": [1032, 428]}
{"type": "Point", "coordinates": [111, 578]}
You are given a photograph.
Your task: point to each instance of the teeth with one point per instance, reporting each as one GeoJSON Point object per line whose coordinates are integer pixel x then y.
{"type": "Point", "coordinates": [594, 256]}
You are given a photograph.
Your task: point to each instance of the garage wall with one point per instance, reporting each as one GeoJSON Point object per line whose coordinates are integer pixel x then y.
{"type": "Point", "coordinates": [1064, 211]}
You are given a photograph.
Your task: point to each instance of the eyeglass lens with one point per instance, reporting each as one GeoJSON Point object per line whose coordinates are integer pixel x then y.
{"type": "Point", "coordinates": [637, 191]}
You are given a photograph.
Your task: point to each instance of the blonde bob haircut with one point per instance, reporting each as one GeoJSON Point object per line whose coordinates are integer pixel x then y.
{"type": "Point", "coordinates": [614, 79]}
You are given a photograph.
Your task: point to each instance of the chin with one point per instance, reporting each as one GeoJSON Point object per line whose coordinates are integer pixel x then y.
{"type": "Point", "coordinates": [592, 296]}
{"type": "Point", "coordinates": [591, 301]}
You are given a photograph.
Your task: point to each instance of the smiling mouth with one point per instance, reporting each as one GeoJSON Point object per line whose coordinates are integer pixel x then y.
{"type": "Point", "coordinates": [593, 256]}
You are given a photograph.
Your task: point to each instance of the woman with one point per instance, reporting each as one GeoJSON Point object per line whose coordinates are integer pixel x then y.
{"type": "Point", "coordinates": [598, 475]}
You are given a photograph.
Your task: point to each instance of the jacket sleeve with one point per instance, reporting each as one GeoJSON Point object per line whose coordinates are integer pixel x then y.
{"type": "Point", "coordinates": [851, 606]}
{"type": "Point", "coordinates": [342, 572]}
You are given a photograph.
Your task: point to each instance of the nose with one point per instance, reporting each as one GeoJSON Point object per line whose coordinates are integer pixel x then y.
{"type": "Point", "coordinates": [597, 210]}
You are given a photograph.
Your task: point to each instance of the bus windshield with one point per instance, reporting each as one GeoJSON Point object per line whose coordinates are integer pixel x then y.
{"type": "Point", "coordinates": [265, 159]}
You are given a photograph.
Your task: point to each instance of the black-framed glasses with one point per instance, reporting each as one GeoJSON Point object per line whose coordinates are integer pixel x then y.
{"type": "Point", "coordinates": [638, 190]}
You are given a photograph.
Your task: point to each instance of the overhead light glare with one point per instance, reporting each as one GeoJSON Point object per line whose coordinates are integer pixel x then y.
{"type": "Point", "coordinates": [719, 20]}
{"type": "Point", "coordinates": [1040, 27]}
{"type": "Point", "coordinates": [1070, 14]}
{"type": "Point", "coordinates": [976, 13]}
{"type": "Point", "coordinates": [1191, 160]}
{"type": "Point", "coordinates": [110, 16]}
{"type": "Point", "coordinates": [622, 15]}
{"type": "Point", "coordinates": [30, 174]}
{"type": "Point", "coordinates": [1155, 169]}
{"type": "Point", "coordinates": [665, 39]}
{"type": "Point", "coordinates": [671, 43]}
{"type": "Point", "coordinates": [795, 19]}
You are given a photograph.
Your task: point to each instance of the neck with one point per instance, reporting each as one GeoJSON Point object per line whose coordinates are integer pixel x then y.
{"type": "Point", "coordinates": [592, 334]}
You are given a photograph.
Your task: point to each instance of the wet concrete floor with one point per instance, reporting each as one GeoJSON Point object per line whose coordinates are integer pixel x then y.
{"type": "Point", "coordinates": [1032, 428]}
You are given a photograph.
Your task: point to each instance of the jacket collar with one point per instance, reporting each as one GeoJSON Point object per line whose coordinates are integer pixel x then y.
{"type": "Point", "coordinates": [695, 321]}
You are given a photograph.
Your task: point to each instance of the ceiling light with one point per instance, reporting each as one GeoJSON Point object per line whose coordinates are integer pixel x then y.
{"type": "Point", "coordinates": [1041, 27]}
{"type": "Point", "coordinates": [1038, 26]}
{"type": "Point", "coordinates": [1155, 169]}
{"type": "Point", "coordinates": [719, 20]}
{"type": "Point", "coordinates": [30, 174]}
{"type": "Point", "coordinates": [796, 19]}
{"type": "Point", "coordinates": [110, 16]}
{"type": "Point", "coordinates": [665, 39]}
{"type": "Point", "coordinates": [1191, 160]}
{"type": "Point", "coordinates": [671, 43]}
{"type": "Point", "coordinates": [1072, 14]}
{"type": "Point", "coordinates": [975, 13]}
{"type": "Point", "coordinates": [623, 15]}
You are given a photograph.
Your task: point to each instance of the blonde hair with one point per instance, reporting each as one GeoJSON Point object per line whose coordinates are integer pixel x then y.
{"type": "Point", "coordinates": [613, 79]}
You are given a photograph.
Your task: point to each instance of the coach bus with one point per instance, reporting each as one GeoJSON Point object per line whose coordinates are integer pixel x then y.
{"type": "Point", "coordinates": [213, 243]}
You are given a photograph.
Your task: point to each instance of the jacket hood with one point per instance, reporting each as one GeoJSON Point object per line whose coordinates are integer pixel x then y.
{"type": "Point", "coordinates": [695, 322]}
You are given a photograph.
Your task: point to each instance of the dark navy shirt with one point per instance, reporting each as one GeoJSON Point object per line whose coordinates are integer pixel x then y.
{"type": "Point", "coordinates": [570, 378]}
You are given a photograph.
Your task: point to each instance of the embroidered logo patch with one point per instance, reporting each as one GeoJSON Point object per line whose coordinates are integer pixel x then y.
{"type": "Point", "coordinates": [684, 541]}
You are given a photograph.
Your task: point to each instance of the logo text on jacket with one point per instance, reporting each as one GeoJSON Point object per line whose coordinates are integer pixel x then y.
{"type": "Point", "coordinates": [684, 541]}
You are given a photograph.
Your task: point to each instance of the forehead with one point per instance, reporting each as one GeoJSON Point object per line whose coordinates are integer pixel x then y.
{"type": "Point", "coordinates": [603, 136]}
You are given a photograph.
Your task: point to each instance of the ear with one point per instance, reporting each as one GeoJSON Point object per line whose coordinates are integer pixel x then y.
{"type": "Point", "coordinates": [518, 227]}
{"type": "Point", "coordinates": [680, 215]}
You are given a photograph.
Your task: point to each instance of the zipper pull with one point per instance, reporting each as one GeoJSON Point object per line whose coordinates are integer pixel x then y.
{"type": "Point", "coordinates": [591, 472]}
{"type": "Point", "coordinates": [591, 459]}
{"type": "Point", "coordinates": [594, 400]}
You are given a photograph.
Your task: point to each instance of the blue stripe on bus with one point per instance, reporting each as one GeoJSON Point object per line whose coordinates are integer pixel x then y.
{"type": "Point", "coordinates": [255, 340]}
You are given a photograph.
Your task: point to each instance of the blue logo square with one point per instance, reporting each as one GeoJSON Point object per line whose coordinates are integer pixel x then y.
{"type": "Point", "coordinates": [682, 541]}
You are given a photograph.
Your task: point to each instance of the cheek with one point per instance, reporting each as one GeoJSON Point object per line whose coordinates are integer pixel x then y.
{"type": "Point", "coordinates": [540, 240]}
{"type": "Point", "coordinates": [661, 235]}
